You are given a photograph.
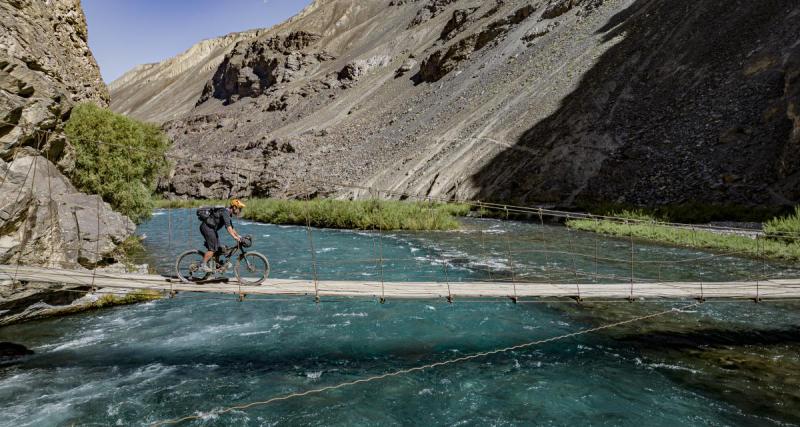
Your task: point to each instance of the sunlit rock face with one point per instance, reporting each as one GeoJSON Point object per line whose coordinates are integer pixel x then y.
{"type": "Point", "coordinates": [46, 68]}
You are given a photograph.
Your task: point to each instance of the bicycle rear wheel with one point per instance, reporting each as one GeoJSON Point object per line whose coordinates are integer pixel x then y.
{"type": "Point", "coordinates": [252, 269]}
{"type": "Point", "coordinates": [189, 267]}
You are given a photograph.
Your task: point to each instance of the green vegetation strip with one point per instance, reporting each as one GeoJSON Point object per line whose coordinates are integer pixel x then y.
{"type": "Point", "coordinates": [349, 214]}
{"type": "Point", "coordinates": [784, 226]}
{"type": "Point", "coordinates": [777, 248]}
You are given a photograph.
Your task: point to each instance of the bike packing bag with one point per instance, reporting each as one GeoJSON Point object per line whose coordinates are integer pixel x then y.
{"type": "Point", "coordinates": [209, 214]}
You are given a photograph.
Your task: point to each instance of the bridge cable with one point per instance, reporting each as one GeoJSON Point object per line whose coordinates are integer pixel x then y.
{"type": "Point", "coordinates": [420, 368]}
{"type": "Point", "coordinates": [574, 262]}
{"type": "Point", "coordinates": [52, 210]}
{"type": "Point", "coordinates": [760, 255]}
{"type": "Point", "coordinates": [23, 237]}
{"type": "Point", "coordinates": [310, 236]}
{"type": "Point", "coordinates": [630, 230]}
{"type": "Point", "coordinates": [545, 246]}
{"type": "Point", "coordinates": [514, 298]}
{"type": "Point", "coordinates": [169, 248]}
{"type": "Point", "coordinates": [97, 244]}
{"type": "Point", "coordinates": [596, 248]}
{"type": "Point", "coordinates": [700, 275]}
{"type": "Point", "coordinates": [380, 247]}
{"type": "Point", "coordinates": [483, 242]}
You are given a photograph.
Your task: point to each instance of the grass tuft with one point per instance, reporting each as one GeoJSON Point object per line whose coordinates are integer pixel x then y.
{"type": "Point", "coordinates": [783, 227]}
{"type": "Point", "coordinates": [729, 243]}
{"type": "Point", "coordinates": [345, 214]}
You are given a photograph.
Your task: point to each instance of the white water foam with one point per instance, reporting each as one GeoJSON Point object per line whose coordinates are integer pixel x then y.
{"type": "Point", "coordinates": [351, 314]}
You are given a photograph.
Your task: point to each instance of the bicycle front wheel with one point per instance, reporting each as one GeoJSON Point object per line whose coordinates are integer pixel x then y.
{"type": "Point", "coordinates": [189, 267]}
{"type": "Point", "coordinates": [252, 269]}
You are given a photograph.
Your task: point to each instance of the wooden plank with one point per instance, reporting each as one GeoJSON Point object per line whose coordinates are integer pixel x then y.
{"type": "Point", "coordinates": [773, 289]}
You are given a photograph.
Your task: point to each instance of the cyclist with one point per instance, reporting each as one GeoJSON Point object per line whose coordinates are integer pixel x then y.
{"type": "Point", "coordinates": [214, 220]}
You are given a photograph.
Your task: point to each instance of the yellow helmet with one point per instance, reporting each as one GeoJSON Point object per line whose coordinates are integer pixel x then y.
{"type": "Point", "coordinates": [236, 203]}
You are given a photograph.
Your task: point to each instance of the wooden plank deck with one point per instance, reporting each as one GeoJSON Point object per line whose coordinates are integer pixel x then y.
{"type": "Point", "coordinates": [768, 289]}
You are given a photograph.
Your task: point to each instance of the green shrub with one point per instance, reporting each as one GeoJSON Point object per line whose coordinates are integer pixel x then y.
{"type": "Point", "coordinates": [118, 158]}
{"type": "Point", "coordinates": [350, 214]}
{"type": "Point", "coordinates": [787, 227]}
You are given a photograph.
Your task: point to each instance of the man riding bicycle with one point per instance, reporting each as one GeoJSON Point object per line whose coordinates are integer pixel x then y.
{"type": "Point", "coordinates": [214, 220]}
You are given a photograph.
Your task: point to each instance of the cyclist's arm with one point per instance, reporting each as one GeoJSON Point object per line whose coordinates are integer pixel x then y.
{"type": "Point", "coordinates": [233, 232]}
{"type": "Point", "coordinates": [226, 220]}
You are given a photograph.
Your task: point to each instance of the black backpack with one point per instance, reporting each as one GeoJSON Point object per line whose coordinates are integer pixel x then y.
{"type": "Point", "coordinates": [209, 214]}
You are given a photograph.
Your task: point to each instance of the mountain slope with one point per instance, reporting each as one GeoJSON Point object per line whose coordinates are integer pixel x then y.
{"type": "Point", "coordinates": [163, 91]}
{"type": "Point", "coordinates": [562, 102]}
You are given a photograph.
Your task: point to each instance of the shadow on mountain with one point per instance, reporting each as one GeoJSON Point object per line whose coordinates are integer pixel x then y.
{"type": "Point", "coordinates": [691, 104]}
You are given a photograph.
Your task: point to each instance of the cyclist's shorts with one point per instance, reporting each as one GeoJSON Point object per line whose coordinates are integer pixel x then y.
{"type": "Point", "coordinates": [211, 237]}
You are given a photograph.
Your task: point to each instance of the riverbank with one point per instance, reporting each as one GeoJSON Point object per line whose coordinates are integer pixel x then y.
{"type": "Point", "coordinates": [345, 214]}
{"type": "Point", "coordinates": [777, 242]}
{"type": "Point", "coordinates": [85, 301]}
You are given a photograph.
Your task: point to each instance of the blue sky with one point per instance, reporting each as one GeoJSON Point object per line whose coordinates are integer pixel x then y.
{"type": "Point", "coordinates": [125, 33]}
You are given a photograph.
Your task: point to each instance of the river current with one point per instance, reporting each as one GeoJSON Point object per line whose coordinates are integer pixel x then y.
{"type": "Point", "coordinates": [723, 363]}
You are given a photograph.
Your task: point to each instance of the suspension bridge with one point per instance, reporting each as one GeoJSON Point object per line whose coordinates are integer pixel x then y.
{"type": "Point", "coordinates": [569, 271]}
{"type": "Point", "coordinates": [452, 292]}
{"type": "Point", "coordinates": [563, 278]}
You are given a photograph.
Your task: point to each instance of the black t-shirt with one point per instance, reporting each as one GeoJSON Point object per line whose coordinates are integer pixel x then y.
{"type": "Point", "coordinates": [223, 219]}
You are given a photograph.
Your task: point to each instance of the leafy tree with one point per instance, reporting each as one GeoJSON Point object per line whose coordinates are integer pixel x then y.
{"type": "Point", "coordinates": [118, 158]}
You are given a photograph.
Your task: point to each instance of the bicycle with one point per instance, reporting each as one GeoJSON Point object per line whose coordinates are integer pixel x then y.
{"type": "Point", "coordinates": [189, 265]}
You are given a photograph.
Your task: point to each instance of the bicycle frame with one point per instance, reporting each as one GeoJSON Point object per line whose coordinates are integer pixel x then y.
{"type": "Point", "coordinates": [227, 255]}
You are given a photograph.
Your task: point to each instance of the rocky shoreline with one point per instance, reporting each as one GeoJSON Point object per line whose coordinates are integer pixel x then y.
{"type": "Point", "coordinates": [46, 69]}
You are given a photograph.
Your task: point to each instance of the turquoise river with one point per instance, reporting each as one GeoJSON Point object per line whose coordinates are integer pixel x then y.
{"type": "Point", "coordinates": [719, 363]}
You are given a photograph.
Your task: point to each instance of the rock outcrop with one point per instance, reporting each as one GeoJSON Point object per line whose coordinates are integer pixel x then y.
{"type": "Point", "coordinates": [46, 221]}
{"type": "Point", "coordinates": [257, 65]}
{"type": "Point", "coordinates": [45, 69]}
{"type": "Point", "coordinates": [556, 102]}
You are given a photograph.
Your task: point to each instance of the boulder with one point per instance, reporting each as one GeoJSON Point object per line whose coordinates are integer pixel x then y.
{"type": "Point", "coordinates": [457, 22]}
{"type": "Point", "coordinates": [407, 66]}
{"type": "Point", "coordinates": [430, 10]}
{"type": "Point", "coordinates": [45, 221]}
{"type": "Point", "coordinates": [10, 351]}
{"type": "Point", "coordinates": [360, 67]}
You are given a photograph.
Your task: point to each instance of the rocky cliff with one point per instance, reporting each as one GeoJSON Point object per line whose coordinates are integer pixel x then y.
{"type": "Point", "coordinates": [561, 102]}
{"type": "Point", "coordinates": [46, 68]}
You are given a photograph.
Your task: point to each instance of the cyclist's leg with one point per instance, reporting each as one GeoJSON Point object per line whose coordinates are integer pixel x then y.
{"type": "Point", "coordinates": [211, 242]}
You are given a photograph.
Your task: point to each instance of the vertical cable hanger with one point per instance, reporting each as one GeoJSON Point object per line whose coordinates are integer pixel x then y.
{"type": "Point", "coordinates": [380, 247]}
{"type": "Point", "coordinates": [310, 235]}
{"type": "Point", "coordinates": [514, 298]}
{"type": "Point", "coordinates": [24, 235]}
{"type": "Point", "coordinates": [574, 261]}
{"type": "Point", "coordinates": [630, 232]}
{"type": "Point", "coordinates": [700, 274]}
